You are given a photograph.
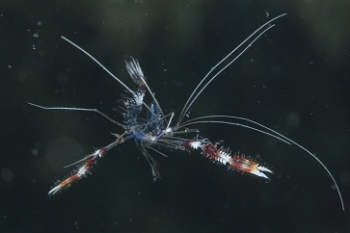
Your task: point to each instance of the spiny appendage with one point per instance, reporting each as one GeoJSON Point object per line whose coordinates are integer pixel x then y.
{"type": "Point", "coordinates": [134, 69]}
{"type": "Point", "coordinates": [133, 106]}
{"type": "Point", "coordinates": [223, 156]}
{"type": "Point", "coordinates": [81, 172]}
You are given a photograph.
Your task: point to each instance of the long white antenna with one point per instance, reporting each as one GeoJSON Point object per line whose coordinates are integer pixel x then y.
{"type": "Point", "coordinates": [187, 105]}
{"type": "Point", "coordinates": [99, 63]}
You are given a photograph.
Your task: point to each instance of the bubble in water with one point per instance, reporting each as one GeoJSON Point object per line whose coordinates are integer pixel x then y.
{"type": "Point", "coordinates": [7, 175]}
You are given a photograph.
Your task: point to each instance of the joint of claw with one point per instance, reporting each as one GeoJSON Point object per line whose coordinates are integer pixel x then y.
{"type": "Point", "coordinates": [119, 137]}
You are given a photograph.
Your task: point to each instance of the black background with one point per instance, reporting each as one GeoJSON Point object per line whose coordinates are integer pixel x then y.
{"type": "Point", "coordinates": [295, 79]}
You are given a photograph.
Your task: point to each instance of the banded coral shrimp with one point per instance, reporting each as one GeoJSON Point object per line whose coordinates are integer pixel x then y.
{"type": "Point", "coordinates": [155, 129]}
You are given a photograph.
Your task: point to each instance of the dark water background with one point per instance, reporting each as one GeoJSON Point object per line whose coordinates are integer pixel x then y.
{"type": "Point", "coordinates": [295, 79]}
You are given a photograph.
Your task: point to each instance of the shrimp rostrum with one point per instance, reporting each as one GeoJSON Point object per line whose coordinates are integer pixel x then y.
{"type": "Point", "coordinates": [153, 130]}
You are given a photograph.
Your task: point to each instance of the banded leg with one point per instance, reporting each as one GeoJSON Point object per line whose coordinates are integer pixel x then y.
{"type": "Point", "coordinates": [222, 156]}
{"type": "Point", "coordinates": [86, 165]}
